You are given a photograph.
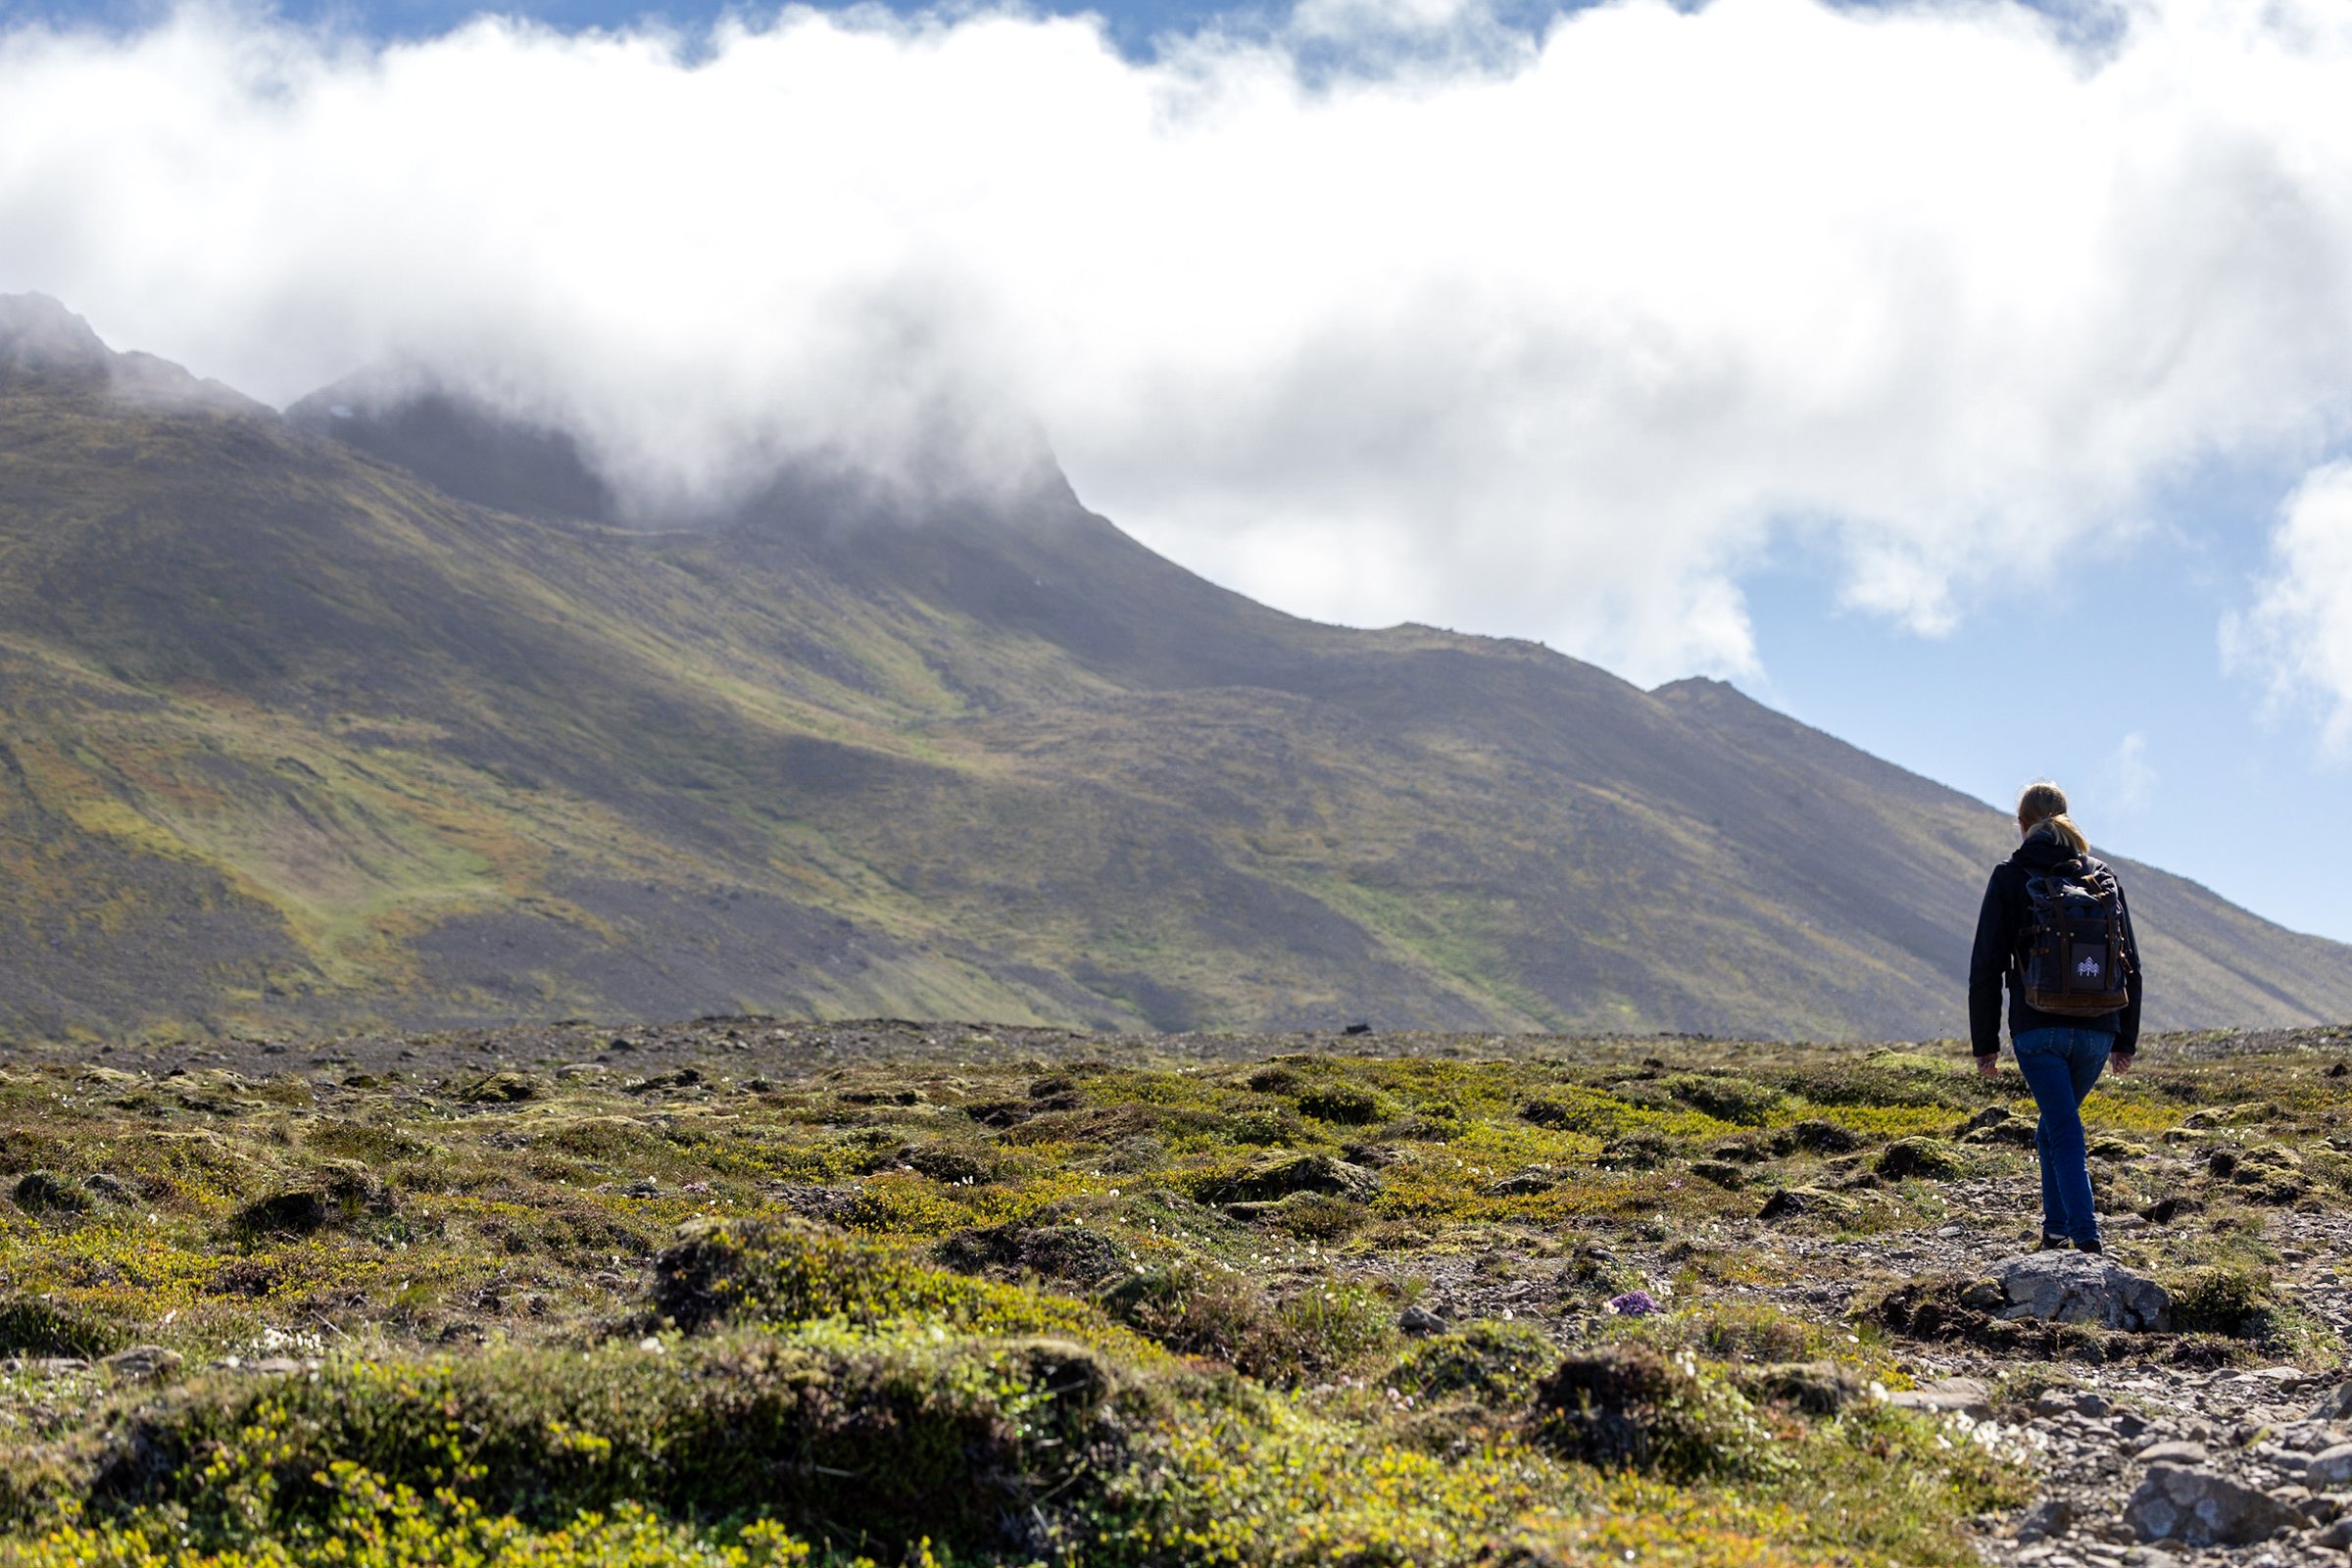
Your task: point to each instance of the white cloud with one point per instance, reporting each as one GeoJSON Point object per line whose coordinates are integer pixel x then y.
{"type": "Point", "coordinates": [2299, 629]}
{"type": "Point", "coordinates": [1549, 339]}
{"type": "Point", "coordinates": [2128, 780]}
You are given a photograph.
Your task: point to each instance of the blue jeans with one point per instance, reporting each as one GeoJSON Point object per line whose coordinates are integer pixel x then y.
{"type": "Point", "coordinates": [2060, 1065]}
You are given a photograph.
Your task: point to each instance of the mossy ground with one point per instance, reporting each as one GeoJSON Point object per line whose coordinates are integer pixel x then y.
{"type": "Point", "coordinates": [746, 1293]}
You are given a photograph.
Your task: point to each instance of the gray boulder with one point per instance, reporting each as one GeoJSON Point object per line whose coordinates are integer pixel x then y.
{"type": "Point", "coordinates": [2052, 1519]}
{"type": "Point", "coordinates": [2330, 1467]}
{"type": "Point", "coordinates": [1418, 1321]}
{"type": "Point", "coordinates": [2337, 1407]}
{"type": "Point", "coordinates": [2081, 1287]}
{"type": "Point", "coordinates": [1946, 1396]}
{"type": "Point", "coordinates": [143, 1363]}
{"type": "Point", "coordinates": [2200, 1508]}
{"type": "Point", "coordinates": [2178, 1452]}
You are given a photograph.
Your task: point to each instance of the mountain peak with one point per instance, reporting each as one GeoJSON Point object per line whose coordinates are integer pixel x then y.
{"type": "Point", "coordinates": [45, 344]}
{"type": "Point", "coordinates": [37, 334]}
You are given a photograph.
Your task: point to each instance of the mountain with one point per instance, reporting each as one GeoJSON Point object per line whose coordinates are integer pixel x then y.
{"type": "Point", "coordinates": [385, 712]}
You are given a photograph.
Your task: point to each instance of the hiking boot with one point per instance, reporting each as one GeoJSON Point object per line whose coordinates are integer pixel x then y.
{"type": "Point", "coordinates": [2092, 1246]}
{"type": "Point", "coordinates": [2052, 1244]}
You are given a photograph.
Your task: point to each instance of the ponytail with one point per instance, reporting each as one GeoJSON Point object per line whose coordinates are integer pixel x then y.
{"type": "Point", "coordinates": [2042, 806]}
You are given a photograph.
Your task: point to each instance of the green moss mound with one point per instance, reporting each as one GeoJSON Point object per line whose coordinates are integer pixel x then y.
{"type": "Point", "coordinates": [1628, 1407]}
{"type": "Point", "coordinates": [1348, 1104]}
{"type": "Point", "coordinates": [31, 1326]}
{"type": "Point", "coordinates": [1726, 1098]}
{"type": "Point", "coordinates": [2222, 1299]}
{"type": "Point", "coordinates": [866, 1446]}
{"type": "Point", "coordinates": [1931, 1158]}
{"type": "Point", "coordinates": [786, 1272]}
{"type": "Point", "coordinates": [1495, 1364]}
{"type": "Point", "coordinates": [1197, 1308]}
{"type": "Point", "coordinates": [43, 1191]}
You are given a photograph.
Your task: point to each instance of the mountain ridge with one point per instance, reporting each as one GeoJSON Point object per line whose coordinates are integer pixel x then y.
{"type": "Point", "coordinates": [387, 753]}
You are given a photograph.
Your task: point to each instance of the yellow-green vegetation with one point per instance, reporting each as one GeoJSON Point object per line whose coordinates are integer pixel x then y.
{"type": "Point", "coordinates": [778, 1297]}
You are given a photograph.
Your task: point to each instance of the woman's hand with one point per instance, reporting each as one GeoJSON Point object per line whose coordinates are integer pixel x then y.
{"type": "Point", "coordinates": [1989, 1066]}
{"type": "Point", "coordinates": [2119, 1061]}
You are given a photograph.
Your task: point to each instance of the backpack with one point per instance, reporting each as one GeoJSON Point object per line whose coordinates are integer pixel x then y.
{"type": "Point", "coordinates": [2072, 960]}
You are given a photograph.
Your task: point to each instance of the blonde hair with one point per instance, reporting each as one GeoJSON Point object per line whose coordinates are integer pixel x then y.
{"type": "Point", "coordinates": [2044, 805]}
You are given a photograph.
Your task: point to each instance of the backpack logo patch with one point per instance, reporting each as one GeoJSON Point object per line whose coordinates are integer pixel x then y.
{"type": "Point", "coordinates": [2089, 966]}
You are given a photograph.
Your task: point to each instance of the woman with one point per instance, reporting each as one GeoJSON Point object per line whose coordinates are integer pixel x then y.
{"type": "Point", "coordinates": [2055, 929]}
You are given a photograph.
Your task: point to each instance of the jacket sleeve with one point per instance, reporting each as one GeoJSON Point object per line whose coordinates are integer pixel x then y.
{"type": "Point", "coordinates": [1989, 968]}
{"type": "Point", "coordinates": [2127, 1038]}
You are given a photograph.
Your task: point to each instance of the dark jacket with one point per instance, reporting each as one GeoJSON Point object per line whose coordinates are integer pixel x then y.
{"type": "Point", "coordinates": [2001, 931]}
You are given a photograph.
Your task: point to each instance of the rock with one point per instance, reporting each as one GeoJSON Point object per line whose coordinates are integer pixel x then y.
{"type": "Point", "coordinates": [1948, 1397]}
{"type": "Point", "coordinates": [2201, 1509]}
{"type": "Point", "coordinates": [1419, 1320]}
{"type": "Point", "coordinates": [2337, 1407]}
{"type": "Point", "coordinates": [2336, 1536]}
{"type": "Point", "coordinates": [1521, 1184]}
{"type": "Point", "coordinates": [2300, 1502]}
{"type": "Point", "coordinates": [2072, 1401]}
{"type": "Point", "coordinates": [2053, 1517]}
{"type": "Point", "coordinates": [141, 1362]}
{"type": "Point", "coordinates": [2081, 1287]}
{"type": "Point", "coordinates": [112, 1189]}
{"type": "Point", "coordinates": [642, 1187]}
{"type": "Point", "coordinates": [2178, 1453]}
{"type": "Point", "coordinates": [2332, 1467]}
{"type": "Point", "coordinates": [1791, 1203]}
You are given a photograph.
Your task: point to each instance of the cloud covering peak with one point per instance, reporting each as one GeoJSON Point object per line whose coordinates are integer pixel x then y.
{"type": "Point", "coordinates": [1555, 335]}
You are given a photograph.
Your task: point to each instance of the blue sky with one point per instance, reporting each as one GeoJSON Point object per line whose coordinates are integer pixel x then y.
{"type": "Point", "coordinates": [2184, 764]}
{"type": "Point", "coordinates": [1948, 374]}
